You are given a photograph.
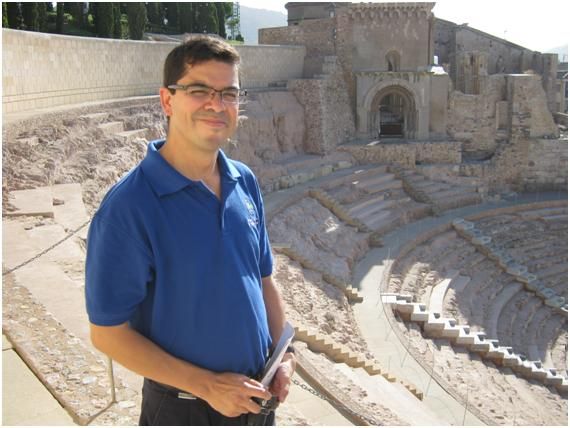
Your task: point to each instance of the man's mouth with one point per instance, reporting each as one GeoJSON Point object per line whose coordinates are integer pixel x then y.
{"type": "Point", "coordinates": [212, 121]}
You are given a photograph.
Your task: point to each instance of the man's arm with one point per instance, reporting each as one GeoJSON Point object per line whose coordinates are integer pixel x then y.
{"type": "Point", "coordinates": [228, 393]}
{"type": "Point", "coordinates": [276, 318]}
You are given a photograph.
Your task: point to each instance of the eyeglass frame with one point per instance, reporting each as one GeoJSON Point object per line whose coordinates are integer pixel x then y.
{"type": "Point", "coordinates": [213, 91]}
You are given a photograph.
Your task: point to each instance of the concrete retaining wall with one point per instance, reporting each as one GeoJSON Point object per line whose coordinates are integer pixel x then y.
{"type": "Point", "coordinates": [43, 70]}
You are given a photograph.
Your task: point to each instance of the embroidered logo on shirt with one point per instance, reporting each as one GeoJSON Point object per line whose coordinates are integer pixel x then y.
{"type": "Point", "coordinates": [252, 219]}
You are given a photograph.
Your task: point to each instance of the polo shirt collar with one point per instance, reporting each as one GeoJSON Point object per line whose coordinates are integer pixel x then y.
{"type": "Point", "coordinates": [165, 180]}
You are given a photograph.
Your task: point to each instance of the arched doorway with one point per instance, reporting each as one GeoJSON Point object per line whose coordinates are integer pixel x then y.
{"type": "Point", "coordinates": [393, 114]}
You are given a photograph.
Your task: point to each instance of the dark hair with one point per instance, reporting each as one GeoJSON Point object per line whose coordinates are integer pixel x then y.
{"type": "Point", "coordinates": [194, 51]}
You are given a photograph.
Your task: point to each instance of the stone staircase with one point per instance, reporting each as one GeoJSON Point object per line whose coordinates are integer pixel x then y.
{"type": "Point", "coordinates": [440, 195]}
{"type": "Point", "coordinates": [370, 199]}
{"type": "Point", "coordinates": [437, 327]}
{"type": "Point", "coordinates": [116, 129]}
{"type": "Point", "coordinates": [341, 354]}
{"type": "Point", "coordinates": [301, 169]}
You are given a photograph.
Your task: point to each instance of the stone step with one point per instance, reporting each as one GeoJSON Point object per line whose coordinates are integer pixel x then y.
{"type": "Point", "coordinates": [358, 206]}
{"type": "Point", "coordinates": [31, 202]}
{"type": "Point", "coordinates": [452, 203]}
{"type": "Point", "coordinates": [539, 213]}
{"type": "Point", "coordinates": [454, 191]}
{"type": "Point", "coordinates": [379, 184]}
{"type": "Point", "coordinates": [95, 118]}
{"type": "Point", "coordinates": [70, 211]}
{"type": "Point", "coordinates": [558, 218]}
{"type": "Point", "coordinates": [352, 175]}
{"type": "Point", "coordinates": [372, 216]}
{"type": "Point", "coordinates": [383, 205]}
{"type": "Point", "coordinates": [394, 396]}
{"type": "Point", "coordinates": [430, 187]}
{"type": "Point", "coordinates": [129, 136]}
{"type": "Point", "coordinates": [110, 128]}
{"type": "Point", "coordinates": [497, 306]}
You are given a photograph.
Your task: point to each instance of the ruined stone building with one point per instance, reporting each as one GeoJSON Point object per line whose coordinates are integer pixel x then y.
{"type": "Point", "coordinates": [394, 70]}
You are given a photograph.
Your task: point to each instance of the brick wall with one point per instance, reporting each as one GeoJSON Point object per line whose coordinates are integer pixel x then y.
{"type": "Point", "coordinates": [45, 70]}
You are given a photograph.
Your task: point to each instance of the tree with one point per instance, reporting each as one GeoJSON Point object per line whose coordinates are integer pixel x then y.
{"type": "Point", "coordinates": [42, 17]}
{"type": "Point", "coordinates": [4, 15]}
{"type": "Point", "coordinates": [30, 15]}
{"type": "Point", "coordinates": [117, 26]}
{"type": "Point", "coordinates": [221, 11]}
{"type": "Point", "coordinates": [136, 13]}
{"type": "Point", "coordinates": [172, 14]}
{"type": "Point", "coordinates": [187, 16]}
{"type": "Point", "coordinates": [14, 15]}
{"type": "Point", "coordinates": [205, 18]}
{"type": "Point", "coordinates": [76, 10]}
{"type": "Point", "coordinates": [211, 24]}
{"type": "Point", "coordinates": [155, 13]}
{"type": "Point", "coordinates": [104, 21]}
{"type": "Point", "coordinates": [59, 18]}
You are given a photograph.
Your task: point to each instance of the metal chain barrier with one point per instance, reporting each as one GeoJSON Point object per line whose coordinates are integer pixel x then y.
{"type": "Point", "coordinates": [37, 256]}
{"type": "Point", "coordinates": [334, 404]}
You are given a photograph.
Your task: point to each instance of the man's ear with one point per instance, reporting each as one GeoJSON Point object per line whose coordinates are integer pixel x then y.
{"type": "Point", "coordinates": [165, 101]}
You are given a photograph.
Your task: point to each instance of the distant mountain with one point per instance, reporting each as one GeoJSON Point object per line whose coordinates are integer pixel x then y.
{"type": "Point", "coordinates": [562, 52]}
{"type": "Point", "coordinates": [254, 19]}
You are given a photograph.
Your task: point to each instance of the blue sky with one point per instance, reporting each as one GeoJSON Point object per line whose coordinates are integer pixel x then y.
{"type": "Point", "coordinates": [536, 25]}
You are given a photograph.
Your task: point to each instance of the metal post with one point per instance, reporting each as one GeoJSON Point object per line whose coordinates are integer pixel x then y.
{"type": "Point", "coordinates": [111, 379]}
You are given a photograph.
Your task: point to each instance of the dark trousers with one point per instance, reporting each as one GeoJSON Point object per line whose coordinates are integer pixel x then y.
{"type": "Point", "coordinates": [161, 406]}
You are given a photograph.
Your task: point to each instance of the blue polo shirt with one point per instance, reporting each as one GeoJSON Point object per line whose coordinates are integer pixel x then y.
{"type": "Point", "coordinates": [183, 267]}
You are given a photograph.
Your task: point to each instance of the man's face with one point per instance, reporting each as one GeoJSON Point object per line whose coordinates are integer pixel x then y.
{"type": "Point", "coordinates": [204, 124]}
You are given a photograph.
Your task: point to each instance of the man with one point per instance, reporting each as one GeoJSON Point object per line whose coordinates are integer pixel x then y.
{"type": "Point", "coordinates": [178, 270]}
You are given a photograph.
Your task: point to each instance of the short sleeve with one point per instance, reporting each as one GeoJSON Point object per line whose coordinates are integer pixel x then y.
{"type": "Point", "coordinates": [118, 269]}
{"type": "Point", "coordinates": [266, 256]}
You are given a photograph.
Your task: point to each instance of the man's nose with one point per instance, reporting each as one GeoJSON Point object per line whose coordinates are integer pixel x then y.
{"type": "Point", "coordinates": [216, 103]}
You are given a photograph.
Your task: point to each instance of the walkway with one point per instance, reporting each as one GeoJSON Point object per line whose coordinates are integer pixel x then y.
{"type": "Point", "coordinates": [25, 400]}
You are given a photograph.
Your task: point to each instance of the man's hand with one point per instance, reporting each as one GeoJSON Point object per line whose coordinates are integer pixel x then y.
{"type": "Point", "coordinates": [282, 379]}
{"type": "Point", "coordinates": [230, 394]}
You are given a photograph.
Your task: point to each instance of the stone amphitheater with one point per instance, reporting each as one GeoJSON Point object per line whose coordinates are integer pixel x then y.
{"type": "Point", "coordinates": [403, 316]}
{"type": "Point", "coordinates": [425, 273]}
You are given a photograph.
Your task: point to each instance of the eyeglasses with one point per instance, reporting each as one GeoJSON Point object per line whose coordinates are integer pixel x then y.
{"type": "Point", "coordinates": [203, 93]}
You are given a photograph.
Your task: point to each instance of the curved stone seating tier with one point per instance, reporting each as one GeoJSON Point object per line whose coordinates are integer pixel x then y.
{"type": "Point", "coordinates": [559, 351]}
{"type": "Point", "coordinates": [424, 266]}
{"type": "Point", "coordinates": [514, 313]}
{"type": "Point", "coordinates": [494, 352]}
{"type": "Point", "coordinates": [493, 248]}
{"type": "Point", "coordinates": [497, 307]}
{"type": "Point", "coordinates": [325, 242]}
{"type": "Point", "coordinates": [300, 168]}
{"type": "Point", "coordinates": [314, 303]}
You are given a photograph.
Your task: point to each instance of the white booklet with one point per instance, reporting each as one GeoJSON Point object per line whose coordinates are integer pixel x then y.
{"type": "Point", "coordinates": [278, 352]}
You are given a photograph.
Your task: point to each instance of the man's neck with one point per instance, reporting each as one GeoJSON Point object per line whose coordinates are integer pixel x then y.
{"type": "Point", "coordinates": [193, 164]}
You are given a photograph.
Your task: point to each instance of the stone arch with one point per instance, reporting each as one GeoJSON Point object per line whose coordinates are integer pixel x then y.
{"type": "Point", "coordinates": [410, 103]}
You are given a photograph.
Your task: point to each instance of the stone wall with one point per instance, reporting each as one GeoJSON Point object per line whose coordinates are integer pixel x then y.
{"type": "Point", "coordinates": [547, 166]}
{"type": "Point", "coordinates": [43, 70]}
{"type": "Point", "coordinates": [367, 32]}
{"type": "Point", "coordinates": [271, 123]}
{"type": "Point", "coordinates": [472, 119]}
{"type": "Point", "coordinates": [328, 116]}
{"type": "Point", "coordinates": [317, 35]}
{"type": "Point", "coordinates": [407, 155]}
{"type": "Point", "coordinates": [502, 56]}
